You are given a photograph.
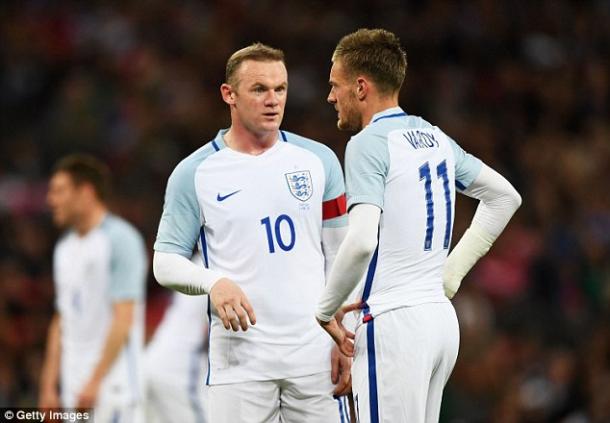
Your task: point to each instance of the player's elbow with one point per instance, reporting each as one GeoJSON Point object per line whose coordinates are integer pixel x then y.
{"type": "Point", "coordinates": [161, 269]}
{"type": "Point", "coordinates": [362, 247]}
{"type": "Point", "coordinates": [514, 199]}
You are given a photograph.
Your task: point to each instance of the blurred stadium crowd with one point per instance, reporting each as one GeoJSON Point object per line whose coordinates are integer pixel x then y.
{"type": "Point", "coordinates": [524, 85]}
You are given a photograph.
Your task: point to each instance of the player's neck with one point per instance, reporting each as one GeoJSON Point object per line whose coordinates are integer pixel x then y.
{"type": "Point", "coordinates": [244, 141]}
{"type": "Point", "coordinates": [91, 219]}
{"type": "Point", "coordinates": [376, 105]}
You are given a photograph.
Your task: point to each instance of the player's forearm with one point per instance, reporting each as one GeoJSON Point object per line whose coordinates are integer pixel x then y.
{"type": "Point", "coordinates": [498, 202]}
{"type": "Point", "coordinates": [50, 369]}
{"type": "Point", "coordinates": [178, 273]}
{"type": "Point", "coordinates": [352, 259]}
{"type": "Point", "coordinates": [122, 320]}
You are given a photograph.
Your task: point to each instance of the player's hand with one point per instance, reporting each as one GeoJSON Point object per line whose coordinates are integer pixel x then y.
{"type": "Point", "coordinates": [88, 395]}
{"type": "Point", "coordinates": [341, 372]}
{"type": "Point", "coordinates": [342, 337]}
{"type": "Point", "coordinates": [232, 305]}
{"type": "Point", "coordinates": [49, 398]}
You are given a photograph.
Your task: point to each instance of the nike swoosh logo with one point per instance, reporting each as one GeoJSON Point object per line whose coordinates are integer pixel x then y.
{"type": "Point", "coordinates": [224, 197]}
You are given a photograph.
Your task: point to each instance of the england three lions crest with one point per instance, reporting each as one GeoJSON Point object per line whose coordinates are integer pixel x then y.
{"type": "Point", "coordinates": [300, 184]}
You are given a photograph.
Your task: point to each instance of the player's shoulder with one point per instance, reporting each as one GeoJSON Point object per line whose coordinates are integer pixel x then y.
{"type": "Point", "coordinates": [119, 230]}
{"type": "Point", "coordinates": [381, 128]}
{"type": "Point", "coordinates": [321, 150]}
{"type": "Point", "coordinates": [64, 239]}
{"type": "Point", "coordinates": [188, 165]}
{"type": "Point", "coordinates": [418, 122]}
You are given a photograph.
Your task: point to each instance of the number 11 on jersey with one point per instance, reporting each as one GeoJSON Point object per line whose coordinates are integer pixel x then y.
{"type": "Point", "coordinates": [441, 173]}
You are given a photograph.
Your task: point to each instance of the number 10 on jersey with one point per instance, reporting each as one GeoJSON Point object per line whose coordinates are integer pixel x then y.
{"type": "Point", "coordinates": [277, 231]}
{"type": "Point", "coordinates": [424, 175]}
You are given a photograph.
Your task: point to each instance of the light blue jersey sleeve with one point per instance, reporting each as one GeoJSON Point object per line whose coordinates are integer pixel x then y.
{"type": "Point", "coordinates": [128, 260]}
{"type": "Point", "coordinates": [367, 162]}
{"type": "Point", "coordinates": [467, 166]}
{"type": "Point", "coordinates": [180, 222]}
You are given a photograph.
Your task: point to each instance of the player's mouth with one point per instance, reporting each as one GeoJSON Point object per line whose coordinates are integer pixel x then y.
{"type": "Point", "coordinates": [271, 115]}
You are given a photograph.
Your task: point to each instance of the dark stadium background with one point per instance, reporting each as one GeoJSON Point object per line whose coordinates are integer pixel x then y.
{"type": "Point", "coordinates": [525, 85]}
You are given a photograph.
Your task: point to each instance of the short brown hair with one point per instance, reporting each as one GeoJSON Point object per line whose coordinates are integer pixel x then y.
{"type": "Point", "coordinates": [84, 168]}
{"type": "Point", "coordinates": [258, 52]}
{"type": "Point", "coordinates": [376, 53]}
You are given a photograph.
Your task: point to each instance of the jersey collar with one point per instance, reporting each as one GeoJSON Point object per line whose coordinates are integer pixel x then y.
{"type": "Point", "coordinates": [219, 143]}
{"type": "Point", "coordinates": [388, 113]}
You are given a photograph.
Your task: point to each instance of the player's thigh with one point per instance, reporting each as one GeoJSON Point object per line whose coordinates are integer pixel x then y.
{"type": "Point", "coordinates": [364, 377]}
{"type": "Point", "coordinates": [245, 402]}
{"type": "Point", "coordinates": [174, 399]}
{"type": "Point", "coordinates": [309, 399]}
{"type": "Point", "coordinates": [448, 345]}
{"type": "Point", "coordinates": [393, 363]}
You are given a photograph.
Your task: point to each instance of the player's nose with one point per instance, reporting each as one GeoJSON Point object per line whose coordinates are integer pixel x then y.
{"type": "Point", "coordinates": [272, 98]}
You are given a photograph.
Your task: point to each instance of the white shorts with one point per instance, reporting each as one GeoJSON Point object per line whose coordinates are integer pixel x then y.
{"type": "Point", "coordinates": [402, 362]}
{"type": "Point", "coordinates": [306, 399]}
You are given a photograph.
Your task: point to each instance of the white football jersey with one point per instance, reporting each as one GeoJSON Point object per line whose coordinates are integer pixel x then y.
{"type": "Point", "coordinates": [91, 272]}
{"type": "Point", "coordinates": [410, 169]}
{"type": "Point", "coordinates": [258, 220]}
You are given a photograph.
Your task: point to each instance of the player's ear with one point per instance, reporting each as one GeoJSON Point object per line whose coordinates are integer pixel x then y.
{"type": "Point", "coordinates": [227, 93]}
{"type": "Point", "coordinates": [362, 88]}
{"type": "Point", "coordinates": [87, 190]}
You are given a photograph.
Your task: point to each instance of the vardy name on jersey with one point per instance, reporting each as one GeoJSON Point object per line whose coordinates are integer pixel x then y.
{"type": "Point", "coordinates": [419, 139]}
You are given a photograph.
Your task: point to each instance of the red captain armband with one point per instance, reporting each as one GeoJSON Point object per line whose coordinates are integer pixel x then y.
{"type": "Point", "coordinates": [334, 208]}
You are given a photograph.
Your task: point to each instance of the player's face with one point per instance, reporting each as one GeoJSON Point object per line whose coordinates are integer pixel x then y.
{"type": "Point", "coordinates": [260, 96]}
{"type": "Point", "coordinates": [343, 96]}
{"type": "Point", "coordinates": [64, 199]}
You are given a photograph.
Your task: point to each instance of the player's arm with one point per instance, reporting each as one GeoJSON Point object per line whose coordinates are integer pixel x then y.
{"type": "Point", "coordinates": [349, 267]}
{"type": "Point", "coordinates": [340, 363]}
{"type": "Point", "coordinates": [178, 234]}
{"type": "Point", "coordinates": [366, 168]}
{"type": "Point", "coordinates": [177, 272]}
{"type": "Point", "coordinates": [498, 202]}
{"type": "Point", "coordinates": [334, 230]}
{"type": "Point", "coordinates": [120, 326]}
{"type": "Point", "coordinates": [352, 259]}
{"type": "Point", "coordinates": [49, 378]}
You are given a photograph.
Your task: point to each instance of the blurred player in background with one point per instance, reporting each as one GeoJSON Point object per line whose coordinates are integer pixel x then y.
{"type": "Point", "coordinates": [95, 340]}
{"type": "Point", "coordinates": [402, 174]}
{"type": "Point", "coordinates": [267, 208]}
{"type": "Point", "coordinates": [174, 361]}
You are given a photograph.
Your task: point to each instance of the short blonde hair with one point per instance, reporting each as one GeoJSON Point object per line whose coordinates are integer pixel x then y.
{"type": "Point", "coordinates": [258, 52]}
{"type": "Point", "coordinates": [375, 53]}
